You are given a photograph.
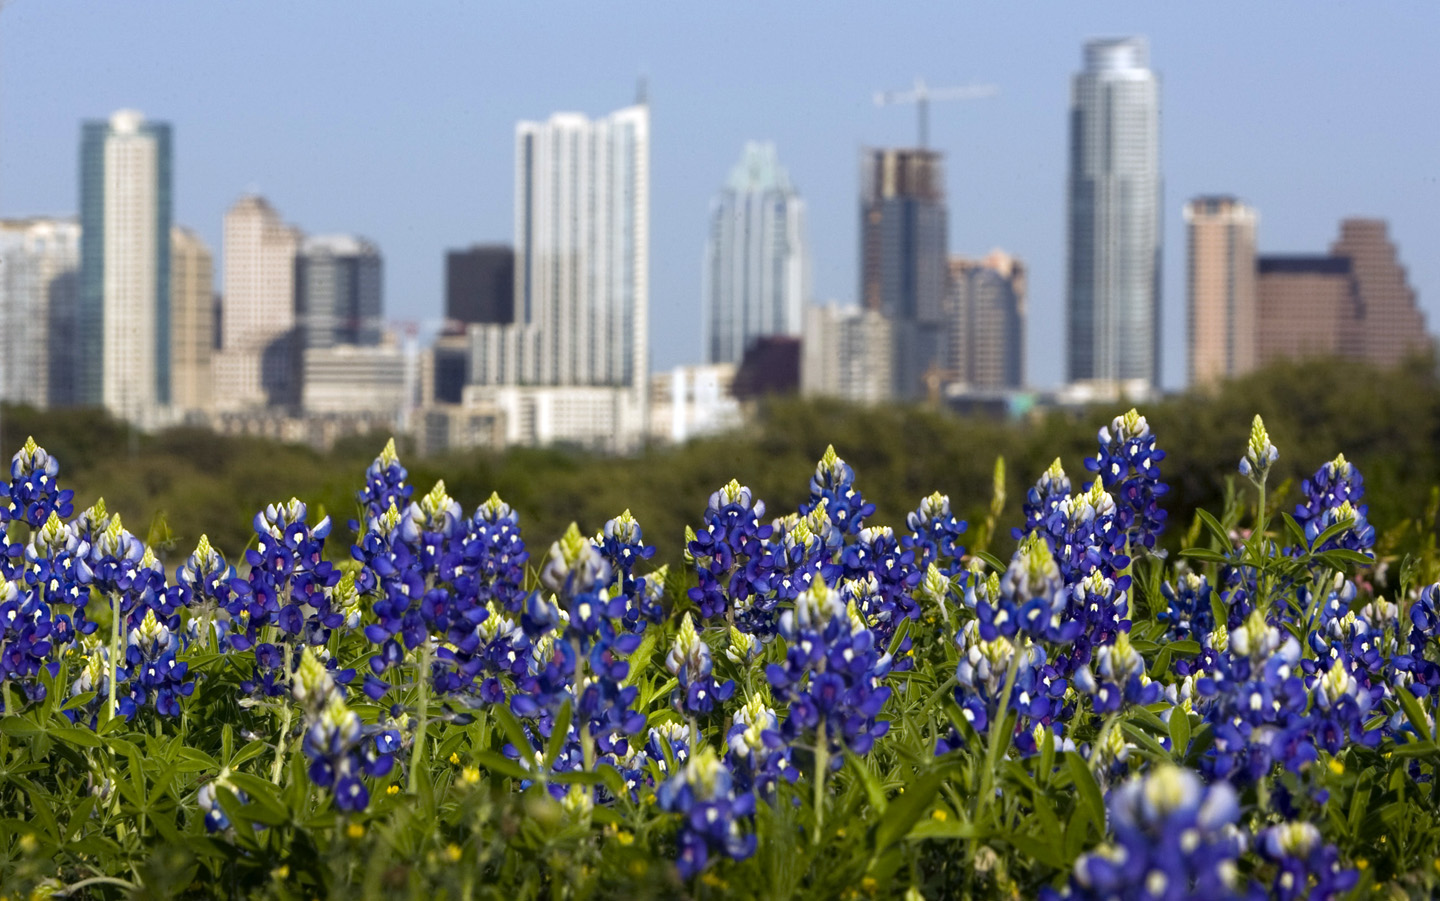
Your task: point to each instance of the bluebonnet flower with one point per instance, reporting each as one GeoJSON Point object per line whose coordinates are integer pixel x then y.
{"type": "Point", "coordinates": [1121, 678]}
{"type": "Point", "coordinates": [1260, 454]}
{"type": "Point", "coordinates": [1333, 496]}
{"type": "Point", "coordinates": [834, 482]}
{"type": "Point", "coordinates": [1342, 705]}
{"type": "Point", "coordinates": [728, 552]}
{"type": "Point", "coordinates": [690, 662]}
{"type": "Point", "coordinates": [156, 677]}
{"type": "Point", "coordinates": [1129, 467]}
{"type": "Point", "coordinates": [980, 681]}
{"type": "Point", "coordinates": [341, 754]}
{"type": "Point", "coordinates": [384, 485]}
{"type": "Point", "coordinates": [1043, 499]}
{"type": "Point", "coordinates": [202, 585]}
{"type": "Point", "coordinates": [703, 794]}
{"type": "Point", "coordinates": [1032, 598]}
{"type": "Point", "coordinates": [495, 556]}
{"type": "Point", "coordinates": [622, 543]}
{"type": "Point", "coordinates": [1174, 839]}
{"type": "Point", "coordinates": [1188, 613]}
{"type": "Point", "coordinates": [935, 535]}
{"type": "Point", "coordinates": [755, 752]}
{"type": "Point", "coordinates": [25, 638]}
{"type": "Point", "coordinates": [830, 678]}
{"type": "Point", "coordinates": [34, 492]}
{"type": "Point", "coordinates": [876, 555]}
{"type": "Point", "coordinates": [1308, 867]}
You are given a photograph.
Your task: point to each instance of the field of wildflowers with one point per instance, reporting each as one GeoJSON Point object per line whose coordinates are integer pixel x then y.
{"type": "Point", "coordinates": [813, 705]}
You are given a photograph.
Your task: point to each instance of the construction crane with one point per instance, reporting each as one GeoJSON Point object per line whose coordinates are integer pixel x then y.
{"type": "Point", "coordinates": [922, 95]}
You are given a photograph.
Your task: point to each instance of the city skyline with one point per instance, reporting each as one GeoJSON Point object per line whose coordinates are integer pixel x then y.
{"type": "Point", "coordinates": [1314, 165]}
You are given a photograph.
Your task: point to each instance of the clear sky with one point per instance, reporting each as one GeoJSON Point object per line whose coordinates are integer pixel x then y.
{"type": "Point", "coordinates": [395, 120]}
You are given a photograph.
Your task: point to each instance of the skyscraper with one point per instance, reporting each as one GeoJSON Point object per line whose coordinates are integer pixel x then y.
{"type": "Point", "coordinates": [480, 285]}
{"type": "Point", "coordinates": [756, 278]}
{"type": "Point", "coordinates": [338, 291]}
{"type": "Point", "coordinates": [577, 355]}
{"type": "Point", "coordinates": [987, 321]}
{"type": "Point", "coordinates": [1113, 298]}
{"type": "Point", "coordinates": [903, 247]}
{"type": "Point", "coordinates": [1221, 295]}
{"type": "Point", "coordinates": [39, 259]}
{"type": "Point", "coordinates": [1394, 327]}
{"type": "Point", "coordinates": [192, 320]}
{"type": "Point", "coordinates": [124, 310]}
{"type": "Point", "coordinates": [1307, 306]}
{"type": "Point", "coordinates": [257, 363]}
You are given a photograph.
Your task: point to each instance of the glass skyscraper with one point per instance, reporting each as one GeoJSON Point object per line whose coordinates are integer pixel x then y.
{"type": "Point", "coordinates": [123, 322]}
{"type": "Point", "coordinates": [756, 268]}
{"type": "Point", "coordinates": [903, 258]}
{"type": "Point", "coordinates": [1113, 297]}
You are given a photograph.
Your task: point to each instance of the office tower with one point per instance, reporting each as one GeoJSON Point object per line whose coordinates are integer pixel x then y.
{"type": "Point", "coordinates": [903, 267]}
{"type": "Point", "coordinates": [256, 365]}
{"type": "Point", "coordinates": [1221, 290]}
{"type": "Point", "coordinates": [574, 366]}
{"type": "Point", "coordinates": [1113, 298]}
{"type": "Point", "coordinates": [755, 279]}
{"type": "Point", "coordinates": [987, 321]}
{"type": "Point", "coordinates": [1394, 327]}
{"type": "Point", "coordinates": [338, 293]}
{"type": "Point", "coordinates": [480, 285]}
{"type": "Point", "coordinates": [39, 275]}
{"type": "Point", "coordinates": [123, 325]}
{"type": "Point", "coordinates": [847, 353]}
{"type": "Point", "coordinates": [192, 324]}
{"type": "Point", "coordinates": [1307, 306]}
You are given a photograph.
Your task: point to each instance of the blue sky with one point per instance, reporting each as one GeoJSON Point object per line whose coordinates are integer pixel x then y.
{"type": "Point", "coordinates": [396, 121]}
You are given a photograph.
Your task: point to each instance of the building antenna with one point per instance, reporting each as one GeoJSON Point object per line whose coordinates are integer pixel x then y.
{"type": "Point", "coordinates": [642, 91]}
{"type": "Point", "coordinates": [921, 95]}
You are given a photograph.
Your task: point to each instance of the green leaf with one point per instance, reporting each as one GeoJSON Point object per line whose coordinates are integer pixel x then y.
{"type": "Point", "coordinates": [501, 765]}
{"type": "Point", "coordinates": [943, 829]}
{"type": "Point", "coordinates": [558, 734]}
{"type": "Point", "coordinates": [902, 813]}
{"type": "Point", "coordinates": [265, 805]}
{"type": "Point", "coordinates": [1186, 646]}
{"type": "Point", "coordinates": [510, 726]}
{"type": "Point", "coordinates": [873, 789]}
{"type": "Point", "coordinates": [1205, 555]}
{"type": "Point", "coordinates": [1086, 788]}
{"type": "Point", "coordinates": [1414, 713]}
{"type": "Point", "coordinates": [1417, 749]}
{"type": "Point", "coordinates": [991, 561]}
{"type": "Point", "coordinates": [1179, 732]}
{"type": "Point", "coordinates": [1212, 525]}
{"type": "Point", "coordinates": [76, 736]}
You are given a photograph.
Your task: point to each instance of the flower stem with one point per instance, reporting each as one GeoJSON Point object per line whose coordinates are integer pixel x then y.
{"type": "Point", "coordinates": [278, 767]}
{"type": "Point", "coordinates": [417, 754]}
{"type": "Point", "coordinates": [114, 662]}
{"type": "Point", "coordinates": [997, 730]}
{"type": "Point", "coordinates": [822, 771]}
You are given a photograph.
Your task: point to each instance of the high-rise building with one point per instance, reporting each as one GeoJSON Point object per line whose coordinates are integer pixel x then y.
{"type": "Point", "coordinates": [257, 364]}
{"type": "Point", "coordinates": [903, 265]}
{"type": "Point", "coordinates": [987, 321]}
{"type": "Point", "coordinates": [1113, 298]}
{"type": "Point", "coordinates": [39, 263]}
{"type": "Point", "coordinates": [192, 320]}
{"type": "Point", "coordinates": [480, 285]}
{"type": "Point", "coordinates": [123, 323]}
{"type": "Point", "coordinates": [1394, 326]}
{"type": "Point", "coordinates": [756, 278]}
{"type": "Point", "coordinates": [1221, 296]}
{"type": "Point", "coordinates": [847, 353]}
{"type": "Point", "coordinates": [582, 238]}
{"type": "Point", "coordinates": [1307, 306]}
{"type": "Point", "coordinates": [338, 291]}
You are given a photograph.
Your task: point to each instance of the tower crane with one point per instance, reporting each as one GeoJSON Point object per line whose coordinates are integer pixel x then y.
{"type": "Point", "coordinates": [922, 95]}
